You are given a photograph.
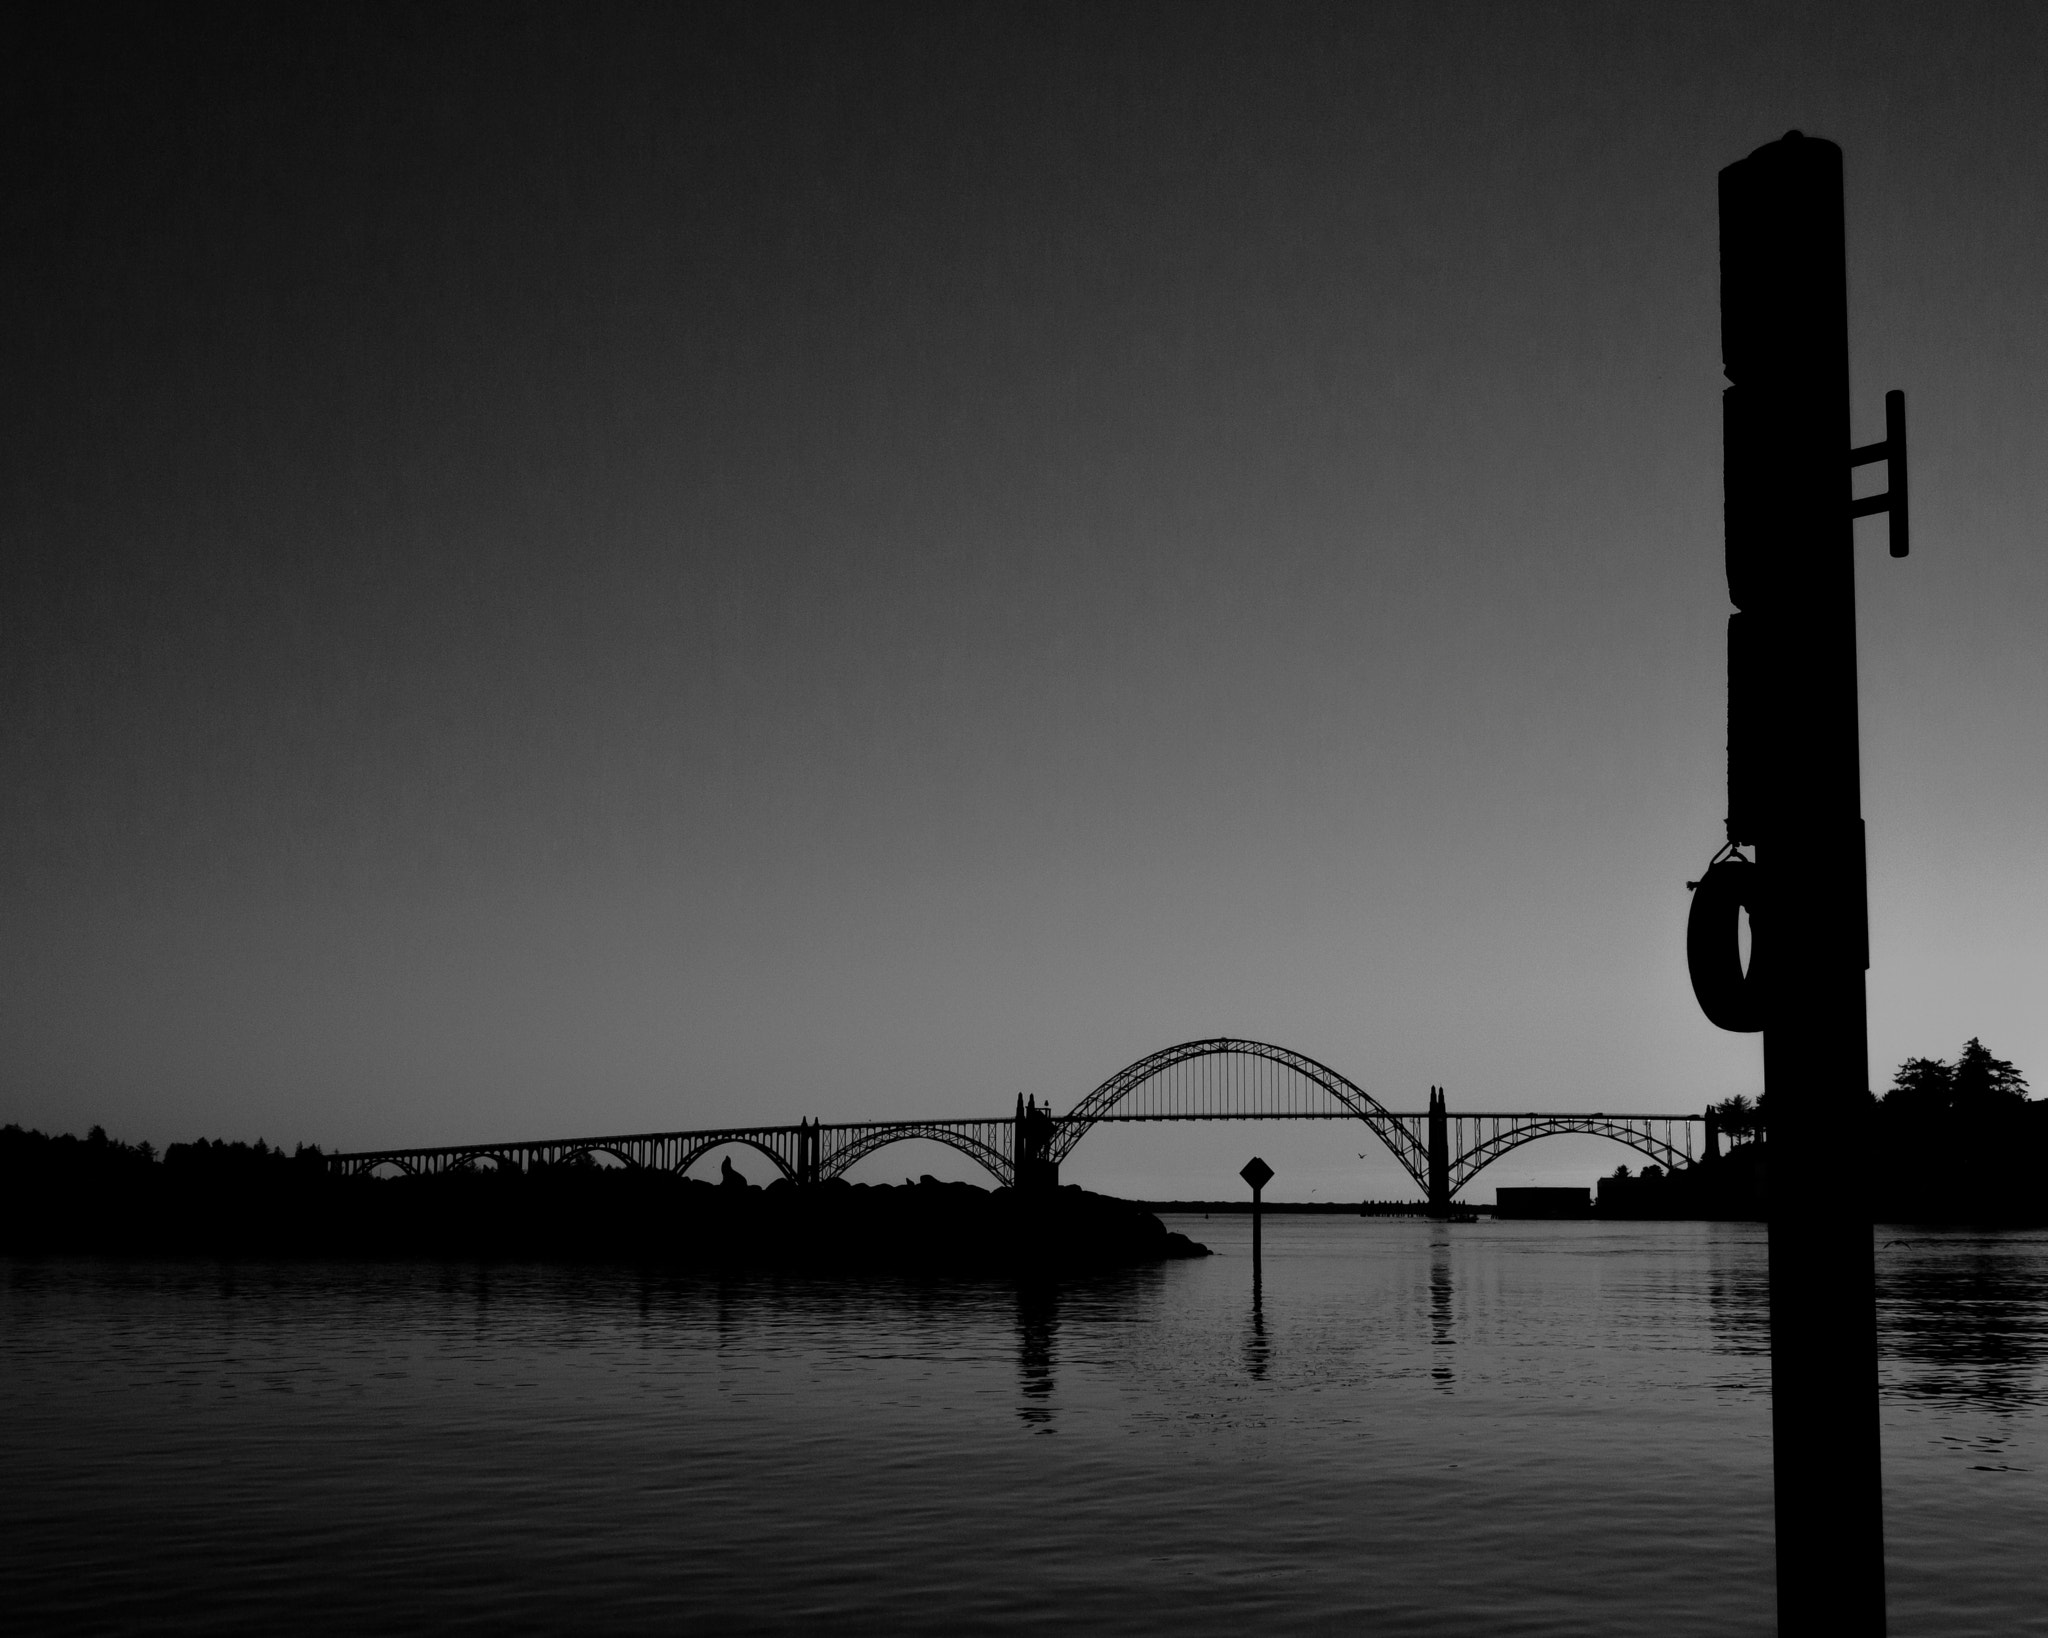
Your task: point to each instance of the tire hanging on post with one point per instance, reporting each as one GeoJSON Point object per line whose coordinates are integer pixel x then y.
{"type": "Point", "coordinates": [1731, 998]}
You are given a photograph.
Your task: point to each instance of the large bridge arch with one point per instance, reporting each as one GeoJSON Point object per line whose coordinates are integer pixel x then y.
{"type": "Point", "coordinates": [1151, 1084]}
{"type": "Point", "coordinates": [873, 1139]}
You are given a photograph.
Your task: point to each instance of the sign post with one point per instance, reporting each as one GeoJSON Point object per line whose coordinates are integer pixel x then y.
{"type": "Point", "coordinates": [1258, 1174]}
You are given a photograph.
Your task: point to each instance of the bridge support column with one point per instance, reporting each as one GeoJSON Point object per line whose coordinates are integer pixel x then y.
{"type": "Point", "coordinates": [806, 1151]}
{"type": "Point", "coordinates": [1439, 1155]}
{"type": "Point", "coordinates": [1037, 1171]}
{"type": "Point", "coordinates": [1713, 1149]}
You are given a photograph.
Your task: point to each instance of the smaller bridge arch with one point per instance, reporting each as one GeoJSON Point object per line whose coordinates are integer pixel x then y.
{"type": "Point", "coordinates": [723, 1140]}
{"type": "Point", "coordinates": [1483, 1139]}
{"type": "Point", "coordinates": [569, 1157]}
{"type": "Point", "coordinates": [470, 1162]}
{"type": "Point", "coordinates": [966, 1138]}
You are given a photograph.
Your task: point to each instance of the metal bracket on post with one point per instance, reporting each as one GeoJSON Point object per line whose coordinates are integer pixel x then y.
{"type": "Point", "coordinates": [1892, 451]}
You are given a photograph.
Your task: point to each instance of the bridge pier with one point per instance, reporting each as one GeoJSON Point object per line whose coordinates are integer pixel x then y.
{"type": "Point", "coordinates": [1439, 1155]}
{"type": "Point", "coordinates": [1037, 1170]}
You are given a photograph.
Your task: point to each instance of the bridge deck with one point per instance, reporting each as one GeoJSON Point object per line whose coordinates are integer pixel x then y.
{"type": "Point", "coordinates": [426, 1155]}
{"type": "Point", "coordinates": [1218, 1078]}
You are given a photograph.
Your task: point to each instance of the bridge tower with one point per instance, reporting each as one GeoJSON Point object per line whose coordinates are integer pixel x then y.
{"type": "Point", "coordinates": [1439, 1155]}
{"type": "Point", "coordinates": [1036, 1168]}
{"type": "Point", "coordinates": [806, 1151]}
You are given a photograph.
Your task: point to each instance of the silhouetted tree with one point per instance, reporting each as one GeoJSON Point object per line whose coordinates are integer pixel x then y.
{"type": "Point", "coordinates": [1961, 1142]}
{"type": "Point", "coordinates": [1739, 1118]}
{"type": "Point", "coordinates": [1982, 1082]}
{"type": "Point", "coordinates": [1922, 1086]}
{"type": "Point", "coordinates": [1976, 1083]}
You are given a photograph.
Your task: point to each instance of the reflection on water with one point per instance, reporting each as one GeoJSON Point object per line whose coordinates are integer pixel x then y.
{"type": "Point", "coordinates": [1575, 1415]}
{"type": "Point", "coordinates": [1441, 1373]}
{"type": "Point", "coordinates": [1964, 1321]}
{"type": "Point", "coordinates": [1038, 1318]}
{"type": "Point", "coordinates": [1965, 1317]}
{"type": "Point", "coordinates": [1258, 1353]}
{"type": "Point", "coordinates": [1738, 1293]}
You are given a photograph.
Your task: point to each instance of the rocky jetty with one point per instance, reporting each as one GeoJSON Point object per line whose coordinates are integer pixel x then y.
{"type": "Point", "coordinates": [93, 1195]}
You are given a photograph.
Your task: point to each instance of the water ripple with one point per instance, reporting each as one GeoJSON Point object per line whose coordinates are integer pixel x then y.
{"type": "Point", "coordinates": [1523, 1429]}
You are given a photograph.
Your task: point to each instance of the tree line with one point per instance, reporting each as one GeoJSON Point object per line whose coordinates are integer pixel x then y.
{"type": "Point", "coordinates": [1948, 1141]}
{"type": "Point", "coordinates": [1976, 1085]}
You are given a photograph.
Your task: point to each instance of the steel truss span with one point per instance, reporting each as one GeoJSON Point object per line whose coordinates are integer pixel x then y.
{"type": "Point", "coordinates": [1477, 1141]}
{"type": "Point", "coordinates": [1221, 1078]}
{"type": "Point", "coordinates": [1225, 1078]}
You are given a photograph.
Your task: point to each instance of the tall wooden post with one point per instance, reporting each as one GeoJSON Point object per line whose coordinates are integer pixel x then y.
{"type": "Point", "coordinates": [1794, 794]}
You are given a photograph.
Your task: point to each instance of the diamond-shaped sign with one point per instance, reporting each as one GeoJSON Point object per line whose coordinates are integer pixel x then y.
{"type": "Point", "coordinates": [1257, 1173]}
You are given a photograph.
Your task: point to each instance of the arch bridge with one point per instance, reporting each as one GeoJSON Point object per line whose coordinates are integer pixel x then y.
{"type": "Point", "coordinates": [808, 1152]}
{"type": "Point", "coordinates": [1220, 1078]}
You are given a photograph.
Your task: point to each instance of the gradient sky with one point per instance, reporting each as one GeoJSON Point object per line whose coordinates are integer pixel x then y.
{"type": "Point", "coordinates": [575, 571]}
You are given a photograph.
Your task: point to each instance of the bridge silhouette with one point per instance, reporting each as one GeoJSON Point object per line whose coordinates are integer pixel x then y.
{"type": "Point", "coordinates": [1222, 1078]}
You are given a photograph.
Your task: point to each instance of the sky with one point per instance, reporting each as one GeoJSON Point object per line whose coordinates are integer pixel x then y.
{"type": "Point", "coordinates": [575, 571]}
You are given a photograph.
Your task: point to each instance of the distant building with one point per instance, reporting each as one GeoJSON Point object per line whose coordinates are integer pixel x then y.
{"type": "Point", "coordinates": [1543, 1203]}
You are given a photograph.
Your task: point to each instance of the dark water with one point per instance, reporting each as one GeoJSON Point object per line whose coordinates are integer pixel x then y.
{"type": "Point", "coordinates": [1498, 1428]}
